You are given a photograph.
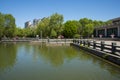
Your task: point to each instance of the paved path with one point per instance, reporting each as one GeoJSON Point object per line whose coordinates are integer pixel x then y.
{"type": "Point", "coordinates": [106, 41]}
{"type": "Point", "coordinates": [109, 42]}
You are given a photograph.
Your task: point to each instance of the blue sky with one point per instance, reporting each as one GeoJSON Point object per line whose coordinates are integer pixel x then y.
{"type": "Point", "coordinates": [25, 10]}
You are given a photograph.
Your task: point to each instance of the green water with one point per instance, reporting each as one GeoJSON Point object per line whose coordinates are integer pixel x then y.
{"type": "Point", "coordinates": [25, 61]}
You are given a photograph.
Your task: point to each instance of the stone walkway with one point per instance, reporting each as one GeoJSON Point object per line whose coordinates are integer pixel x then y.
{"type": "Point", "coordinates": [109, 42]}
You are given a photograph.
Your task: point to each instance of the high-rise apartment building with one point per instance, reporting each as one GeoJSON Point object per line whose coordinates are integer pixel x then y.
{"type": "Point", "coordinates": [32, 24]}
{"type": "Point", "coordinates": [28, 24]}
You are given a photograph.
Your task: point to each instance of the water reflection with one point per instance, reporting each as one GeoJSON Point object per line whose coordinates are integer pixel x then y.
{"type": "Point", "coordinates": [103, 64]}
{"type": "Point", "coordinates": [37, 61]}
{"type": "Point", "coordinates": [8, 52]}
{"type": "Point", "coordinates": [57, 56]}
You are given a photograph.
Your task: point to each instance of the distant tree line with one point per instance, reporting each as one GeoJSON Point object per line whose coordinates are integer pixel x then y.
{"type": "Point", "coordinates": [52, 27]}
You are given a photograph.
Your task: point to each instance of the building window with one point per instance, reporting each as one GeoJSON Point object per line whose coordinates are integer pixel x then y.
{"type": "Point", "coordinates": [112, 31]}
{"type": "Point", "coordinates": [101, 32]}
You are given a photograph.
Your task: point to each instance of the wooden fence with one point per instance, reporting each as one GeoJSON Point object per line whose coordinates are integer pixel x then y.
{"type": "Point", "coordinates": [112, 49]}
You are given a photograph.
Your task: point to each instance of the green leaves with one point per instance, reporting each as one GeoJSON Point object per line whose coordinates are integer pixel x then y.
{"type": "Point", "coordinates": [1, 24]}
{"type": "Point", "coordinates": [50, 26]}
{"type": "Point", "coordinates": [53, 33]}
{"type": "Point", "coordinates": [88, 29]}
{"type": "Point", "coordinates": [7, 25]}
{"type": "Point", "coordinates": [70, 28]}
{"type": "Point", "coordinates": [56, 21]}
{"type": "Point", "coordinates": [44, 27]}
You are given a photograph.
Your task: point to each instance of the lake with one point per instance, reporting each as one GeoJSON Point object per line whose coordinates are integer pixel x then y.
{"type": "Point", "coordinates": [27, 61]}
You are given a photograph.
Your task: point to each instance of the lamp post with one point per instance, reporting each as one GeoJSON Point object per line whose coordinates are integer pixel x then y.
{"type": "Point", "coordinates": [41, 37]}
{"type": "Point", "coordinates": [41, 34]}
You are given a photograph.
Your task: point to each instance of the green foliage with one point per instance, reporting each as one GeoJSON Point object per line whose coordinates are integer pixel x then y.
{"type": "Point", "coordinates": [88, 29]}
{"type": "Point", "coordinates": [44, 27]}
{"type": "Point", "coordinates": [50, 26]}
{"type": "Point", "coordinates": [77, 36]}
{"type": "Point", "coordinates": [70, 28]}
{"type": "Point", "coordinates": [56, 21]}
{"type": "Point", "coordinates": [87, 26]}
{"type": "Point", "coordinates": [108, 22]}
{"type": "Point", "coordinates": [7, 25]}
{"type": "Point", "coordinates": [79, 29]}
{"type": "Point", "coordinates": [19, 32]}
{"type": "Point", "coordinates": [101, 23]}
{"type": "Point", "coordinates": [10, 26]}
{"type": "Point", "coordinates": [29, 32]}
{"type": "Point", "coordinates": [97, 23]}
{"type": "Point", "coordinates": [53, 33]}
{"type": "Point", "coordinates": [1, 25]}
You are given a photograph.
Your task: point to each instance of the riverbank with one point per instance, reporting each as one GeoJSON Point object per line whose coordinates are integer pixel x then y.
{"type": "Point", "coordinates": [59, 41]}
{"type": "Point", "coordinates": [52, 43]}
{"type": "Point", "coordinates": [25, 61]}
{"type": "Point", "coordinates": [114, 59]}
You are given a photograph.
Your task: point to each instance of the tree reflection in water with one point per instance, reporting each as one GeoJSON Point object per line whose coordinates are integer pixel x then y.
{"type": "Point", "coordinates": [64, 57]}
{"type": "Point", "coordinates": [103, 64]}
{"type": "Point", "coordinates": [57, 56]}
{"type": "Point", "coordinates": [8, 52]}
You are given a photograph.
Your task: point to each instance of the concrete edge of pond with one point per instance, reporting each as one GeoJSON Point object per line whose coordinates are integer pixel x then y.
{"type": "Point", "coordinates": [109, 57]}
{"type": "Point", "coordinates": [51, 43]}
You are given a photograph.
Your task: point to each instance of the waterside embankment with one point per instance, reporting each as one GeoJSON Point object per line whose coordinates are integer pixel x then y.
{"type": "Point", "coordinates": [108, 52]}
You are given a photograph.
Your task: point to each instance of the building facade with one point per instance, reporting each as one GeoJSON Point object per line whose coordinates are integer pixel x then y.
{"type": "Point", "coordinates": [111, 30]}
{"type": "Point", "coordinates": [35, 22]}
{"type": "Point", "coordinates": [28, 24]}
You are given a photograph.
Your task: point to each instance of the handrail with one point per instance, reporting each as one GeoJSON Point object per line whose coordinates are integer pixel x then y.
{"type": "Point", "coordinates": [113, 48]}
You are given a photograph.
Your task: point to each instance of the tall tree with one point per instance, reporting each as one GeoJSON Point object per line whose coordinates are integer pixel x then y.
{"type": "Point", "coordinates": [1, 25]}
{"type": "Point", "coordinates": [88, 30]}
{"type": "Point", "coordinates": [19, 32]}
{"type": "Point", "coordinates": [44, 27]}
{"type": "Point", "coordinates": [9, 25]}
{"type": "Point", "coordinates": [53, 34]}
{"type": "Point", "coordinates": [56, 21]}
{"type": "Point", "coordinates": [71, 28]}
{"type": "Point", "coordinates": [87, 26]}
{"type": "Point", "coordinates": [50, 26]}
